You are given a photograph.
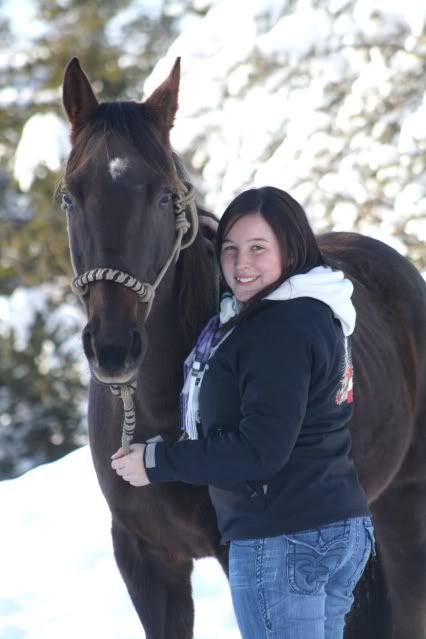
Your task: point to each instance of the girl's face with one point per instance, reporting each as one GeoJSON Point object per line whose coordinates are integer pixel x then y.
{"type": "Point", "coordinates": [250, 256]}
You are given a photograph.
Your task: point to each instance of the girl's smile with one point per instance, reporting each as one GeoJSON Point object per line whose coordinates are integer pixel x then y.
{"type": "Point", "coordinates": [250, 257]}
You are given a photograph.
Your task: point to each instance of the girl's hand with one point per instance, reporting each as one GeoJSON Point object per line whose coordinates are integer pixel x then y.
{"type": "Point", "coordinates": [131, 467]}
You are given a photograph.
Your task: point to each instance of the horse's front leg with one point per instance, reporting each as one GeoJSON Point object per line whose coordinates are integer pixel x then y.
{"type": "Point", "coordinates": [161, 593]}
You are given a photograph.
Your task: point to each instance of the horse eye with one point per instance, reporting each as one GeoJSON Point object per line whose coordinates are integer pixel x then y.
{"type": "Point", "coordinates": [66, 204]}
{"type": "Point", "coordinates": [165, 198]}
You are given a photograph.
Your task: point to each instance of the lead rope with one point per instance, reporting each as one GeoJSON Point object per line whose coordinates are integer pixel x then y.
{"type": "Point", "coordinates": [183, 199]}
{"type": "Point", "coordinates": [125, 392]}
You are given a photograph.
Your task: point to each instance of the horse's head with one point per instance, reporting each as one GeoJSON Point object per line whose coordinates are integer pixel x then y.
{"type": "Point", "coordinates": [120, 189]}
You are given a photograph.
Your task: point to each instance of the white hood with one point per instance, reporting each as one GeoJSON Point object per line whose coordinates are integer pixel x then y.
{"type": "Point", "coordinates": [325, 285]}
{"type": "Point", "coordinates": [320, 283]}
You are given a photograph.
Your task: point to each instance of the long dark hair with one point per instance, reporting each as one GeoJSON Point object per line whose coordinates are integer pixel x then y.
{"type": "Point", "coordinates": [298, 245]}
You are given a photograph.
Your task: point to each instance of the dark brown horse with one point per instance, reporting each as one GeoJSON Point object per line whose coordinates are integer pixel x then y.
{"type": "Point", "coordinates": [119, 181]}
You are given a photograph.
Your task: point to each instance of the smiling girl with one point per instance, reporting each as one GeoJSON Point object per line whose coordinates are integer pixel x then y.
{"type": "Point", "coordinates": [266, 404]}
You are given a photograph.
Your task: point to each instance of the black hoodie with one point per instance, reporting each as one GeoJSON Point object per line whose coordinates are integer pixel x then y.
{"type": "Point", "coordinates": [274, 413]}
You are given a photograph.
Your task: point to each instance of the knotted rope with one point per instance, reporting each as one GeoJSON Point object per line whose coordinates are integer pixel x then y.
{"type": "Point", "coordinates": [125, 392]}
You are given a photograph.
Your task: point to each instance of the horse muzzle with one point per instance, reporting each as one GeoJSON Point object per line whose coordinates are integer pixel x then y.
{"type": "Point", "coordinates": [114, 355]}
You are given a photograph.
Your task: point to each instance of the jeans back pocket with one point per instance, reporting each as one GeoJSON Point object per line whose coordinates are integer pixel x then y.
{"type": "Point", "coordinates": [314, 555]}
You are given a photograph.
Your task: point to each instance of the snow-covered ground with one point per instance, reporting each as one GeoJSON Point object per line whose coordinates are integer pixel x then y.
{"type": "Point", "coordinates": [58, 575]}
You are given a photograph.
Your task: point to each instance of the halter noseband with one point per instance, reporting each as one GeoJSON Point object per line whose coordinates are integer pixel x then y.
{"type": "Point", "coordinates": [183, 199]}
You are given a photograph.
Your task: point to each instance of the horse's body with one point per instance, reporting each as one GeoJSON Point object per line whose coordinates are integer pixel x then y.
{"type": "Point", "coordinates": [123, 219]}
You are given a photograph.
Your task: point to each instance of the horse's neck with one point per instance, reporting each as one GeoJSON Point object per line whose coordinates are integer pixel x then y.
{"type": "Point", "coordinates": [160, 378]}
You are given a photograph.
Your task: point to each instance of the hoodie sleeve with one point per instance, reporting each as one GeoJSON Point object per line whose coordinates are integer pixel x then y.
{"type": "Point", "coordinates": [274, 371]}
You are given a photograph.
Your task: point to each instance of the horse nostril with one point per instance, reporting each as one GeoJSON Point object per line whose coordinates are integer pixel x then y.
{"type": "Point", "coordinates": [112, 349]}
{"type": "Point", "coordinates": [88, 344]}
{"type": "Point", "coordinates": [136, 347]}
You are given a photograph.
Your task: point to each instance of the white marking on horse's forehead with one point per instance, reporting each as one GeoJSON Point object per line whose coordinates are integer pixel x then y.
{"type": "Point", "coordinates": [117, 167]}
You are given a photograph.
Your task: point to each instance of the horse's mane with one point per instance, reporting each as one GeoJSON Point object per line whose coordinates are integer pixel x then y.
{"type": "Point", "coordinates": [196, 273]}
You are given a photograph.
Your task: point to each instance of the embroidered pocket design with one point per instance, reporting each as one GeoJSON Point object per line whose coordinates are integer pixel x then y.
{"type": "Point", "coordinates": [315, 555]}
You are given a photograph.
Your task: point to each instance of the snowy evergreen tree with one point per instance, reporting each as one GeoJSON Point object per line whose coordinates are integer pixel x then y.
{"type": "Point", "coordinates": [42, 396]}
{"type": "Point", "coordinates": [324, 98]}
{"type": "Point", "coordinates": [41, 415]}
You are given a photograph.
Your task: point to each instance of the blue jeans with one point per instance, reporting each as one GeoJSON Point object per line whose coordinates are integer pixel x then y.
{"type": "Point", "coordinates": [299, 585]}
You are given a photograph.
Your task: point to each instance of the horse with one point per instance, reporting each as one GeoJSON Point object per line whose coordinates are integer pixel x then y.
{"type": "Point", "coordinates": [148, 284]}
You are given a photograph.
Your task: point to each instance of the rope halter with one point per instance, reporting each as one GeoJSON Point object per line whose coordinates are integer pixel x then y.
{"type": "Point", "coordinates": [183, 200]}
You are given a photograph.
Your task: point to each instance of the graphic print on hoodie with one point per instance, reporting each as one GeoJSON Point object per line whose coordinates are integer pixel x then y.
{"type": "Point", "coordinates": [345, 392]}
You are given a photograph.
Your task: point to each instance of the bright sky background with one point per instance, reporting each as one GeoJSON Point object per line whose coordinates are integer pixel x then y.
{"type": "Point", "coordinates": [59, 579]}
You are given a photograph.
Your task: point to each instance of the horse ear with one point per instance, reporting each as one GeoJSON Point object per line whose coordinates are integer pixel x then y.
{"type": "Point", "coordinates": [78, 98]}
{"type": "Point", "coordinates": [163, 103]}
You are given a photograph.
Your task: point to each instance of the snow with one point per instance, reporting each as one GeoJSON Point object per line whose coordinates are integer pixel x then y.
{"type": "Point", "coordinates": [18, 311]}
{"type": "Point", "coordinates": [45, 141]}
{"type": "Point", "coordinates": [310, 95]}
{"type": "Point", "coordinates": [413, 131]}
{"type": "Point", "coordinates": [291, 94]}
{"type": "Point", "coordinates": [397, 14]}
{"type": "Point", "coordinates": [64, 320]}
{"type": "Point", "coordinates": [283, 41]}
{"type": "Point", "coordinates": [59, 577]}
{"type": "Point", "coordinates": [114, 28]}
{"type": "Point", "coordinates": [294, 102]}
{"type": "Point", "coordinates": [22, 16]}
